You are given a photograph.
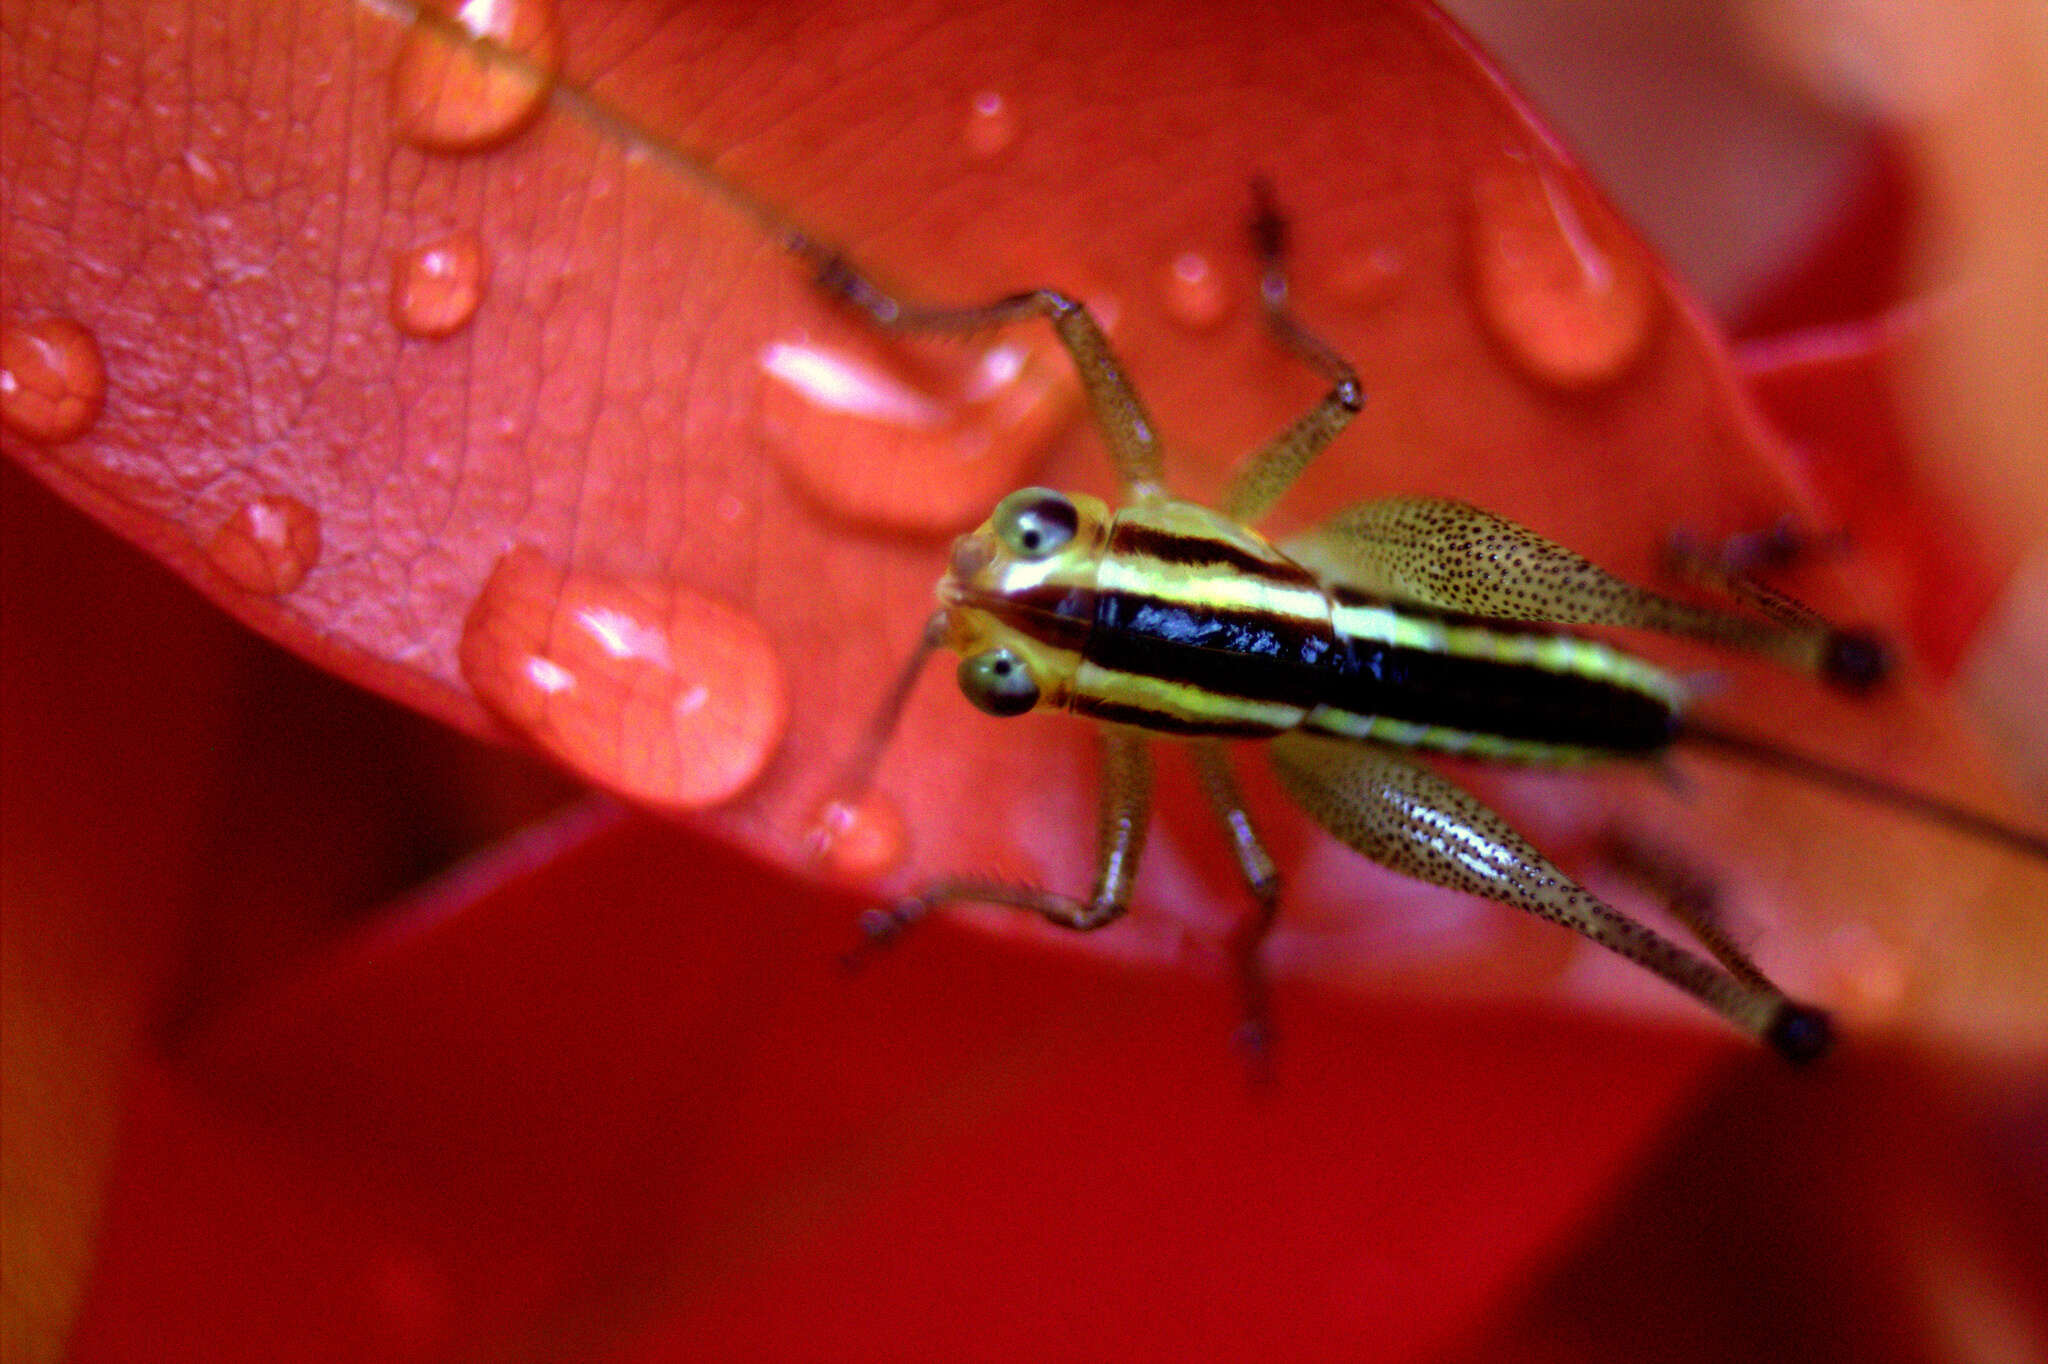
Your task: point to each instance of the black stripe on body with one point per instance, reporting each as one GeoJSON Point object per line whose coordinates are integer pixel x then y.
{"type": "Point", "coordinates": [1185, 550]}
{"type": "Point", "coordinates": [1055, 615]}
{"type": "Point", "coordinates": [1165, 722]}
{"type": "Point", "coordinates": [1256, 655]}
{"type": "Point", "coordinates": [1494, 697]}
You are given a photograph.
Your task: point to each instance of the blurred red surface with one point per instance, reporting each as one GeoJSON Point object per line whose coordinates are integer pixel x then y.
{"type": "Point", "coordinates": [597, 1091]}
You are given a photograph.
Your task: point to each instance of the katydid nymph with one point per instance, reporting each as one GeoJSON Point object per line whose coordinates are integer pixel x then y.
{"type": "Point", "coordinates": [1397, 628]}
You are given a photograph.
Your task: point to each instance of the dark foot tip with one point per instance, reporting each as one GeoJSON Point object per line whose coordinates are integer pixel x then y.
{"type": "Point", "coordinates": [1801, 1034]}
{"type": "Point", "coordinates": [1253, 1039]}
{"type": "Point", "coordinates": [1268, 228]}
{"type": "Point", "coordinates": [879, 928]}
{"type": "Point", "coordinates": [1855, 661]}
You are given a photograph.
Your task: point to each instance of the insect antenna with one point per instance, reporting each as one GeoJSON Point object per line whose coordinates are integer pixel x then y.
{"type": "Point", "coordinates": [858, 771]}
{"type": "Point", "coordinates": [1820, 772]}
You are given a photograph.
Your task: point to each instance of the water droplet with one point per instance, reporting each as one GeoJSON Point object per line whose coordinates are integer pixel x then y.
{"type": "Point", "coordinates": [52, 380]}
{"type": "Point", "coordinates": [474, 77]}
{"type": "Point", "coordinates": [204, 180]}
{"type": "Point", "coordinates": [913, 439]}
{"type": "Point", "coordinates": [644, 686]}
{"type": "Point", "coordinates": [1196, 295]}
{"type": "Point", "coordinates": [1563, 288]}
{"type": "Point", "coordinates": [1369, 278]}
{"type": "Point", "coordinates": [268, 544]}
{"type": "Point", "coordinates": [991, 125]}
{"type": "Point", "coordinates": [435, 288]}
{"type": "Point", "coordinates": [858, 838]}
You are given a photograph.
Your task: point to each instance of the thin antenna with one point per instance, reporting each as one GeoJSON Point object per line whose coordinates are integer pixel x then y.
{"type": "Point", "coordinates": [860, 766]}
{"type": "Point", "coordinates": [1865, 787]}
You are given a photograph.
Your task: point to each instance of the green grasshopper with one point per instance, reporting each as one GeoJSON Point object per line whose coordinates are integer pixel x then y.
{"type": "Point", "coordinates": [1400, 626]}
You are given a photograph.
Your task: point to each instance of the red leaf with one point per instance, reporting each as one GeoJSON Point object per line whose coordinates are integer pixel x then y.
{"type": "Point", "coordinates": [303, 415]}
{"type": "Point", "coordinates": [608, 406]}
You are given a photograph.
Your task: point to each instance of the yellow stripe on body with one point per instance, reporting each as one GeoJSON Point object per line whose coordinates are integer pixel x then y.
{"type": "Point", "coordinates": [1552, 652]}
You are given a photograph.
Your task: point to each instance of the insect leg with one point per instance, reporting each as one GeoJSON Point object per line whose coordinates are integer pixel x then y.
{"type": "Point", "coordinates": [1452, 556]}
{"type": "Point", "coordinates": [1410, 819]}
{"type": "Point", "coordinates": [1690, 896]}
{"type": "Point", "coordinates": [1727, 576]}
{"type": "Point", "coordinates": [1212, 766]}
{"type": "Point", "coordinates": [1270, 470]}
{"type": "Point", "coordinates": [1124, 813]}
{"type": "Point", "coordinates": [1119, 413]}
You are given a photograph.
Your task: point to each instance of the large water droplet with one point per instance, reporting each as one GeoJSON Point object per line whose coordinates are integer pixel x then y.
{"type": "Point", "coordinates": [924, 452]}
{"type": "Point", "coordinates": [268, 544]}
{"type": "Point", "coordinates": [992, 125]}
{"type": "Point", "coordinates": [1557, 280]}
{"type": "Point", "coordinates": [858, 837]}
{"type": "Point", "coordinates": [452, 94]}
{"type": "Point", "coordinates": [52, 380]}
{"type": "Point", "coordinates": [644, 686]}
{"type": "Point", "coordinates": [435, 289]}
{"type": "Point", "coordinates": [1195, 293]}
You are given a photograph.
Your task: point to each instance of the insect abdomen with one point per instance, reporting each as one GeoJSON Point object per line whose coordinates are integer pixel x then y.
{"type": "Point", "coordinates": [1489, 689]}
{"type": "Point", "coordinates": [1201, 627]}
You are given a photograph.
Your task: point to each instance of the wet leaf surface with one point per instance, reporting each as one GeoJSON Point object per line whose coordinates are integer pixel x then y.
{"type": "Point", "coordinates": [347, 379]}
{"type": "Point", "coordinates": [615, 406]}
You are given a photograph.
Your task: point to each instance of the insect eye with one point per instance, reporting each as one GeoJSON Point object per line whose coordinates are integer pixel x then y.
{"type": "Point", "coordinates": [1033, 522]}
{"type": "Point", "coordinates": [998, 682]}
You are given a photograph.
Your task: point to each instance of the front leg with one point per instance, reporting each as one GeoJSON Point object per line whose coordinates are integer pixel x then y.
{"type": "Point", "coordinates": [1124, 813]}
{"type": "Point", "coordinates": [1119, 413]}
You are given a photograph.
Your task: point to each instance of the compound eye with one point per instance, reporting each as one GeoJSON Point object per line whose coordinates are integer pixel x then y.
{"type": "Point", "coordinates": [1033, 522]}
{"type": "Point", "coordinates": [998, 682]}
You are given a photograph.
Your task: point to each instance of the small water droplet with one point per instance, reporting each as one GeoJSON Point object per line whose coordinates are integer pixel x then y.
{"type": "Point", "coordinates": [52, 379]}
{"type": "Point", "coordinates": [435, 288]}
{"type": "Point", "coordinates": [1196, 294]}
{"type": "Point", "coordinates": [1369, 278]}
{"type": "Point", "coordinates": [451, 94]}
{"type": "Point", "coordinates": [914, 439]}
{"type": "Point", "coordinates": [858, 838]}
{"type": "Point", "coordinates": [991, 125]}
{"type": "Point", "coordinates": [658, 692]}
{"type": "Point", "coordinates": [268, 545]}
{"type": "Point", "coordinates": [1558, 281]}
{"type": "Point", "coordinates": [204, 181]}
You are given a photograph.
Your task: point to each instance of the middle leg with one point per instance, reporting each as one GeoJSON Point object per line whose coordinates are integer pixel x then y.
{"type": "Point", "coordinates": [1219, 784]}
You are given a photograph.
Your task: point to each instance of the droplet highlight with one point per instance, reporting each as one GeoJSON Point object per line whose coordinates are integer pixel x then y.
{"type": "Point", "coordinates": [664, 695]}
{"type": "Point", "coordinates": [859, 837]}
{"type": "Point", "coordinates": [992, 125]}
{"type": "Point", "coordinates": [1368, 279]}
{"type": "Point", "coordinates": [1557, 279]}
{"type": "Point", "coordinates": [53, 382]}
{"type": "Point", "coordinates": [923, 440]}
{"type": "Point", "coordinates": [268, 545]}
{"type": "Point", "coordinates": [472, 78]}
{"type": "Point", "coordinates": [1195, 292]}
{"type": "Point", "coordinates": [205, 180]}
{"type": "Point", "coordinates": [435, 289]}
